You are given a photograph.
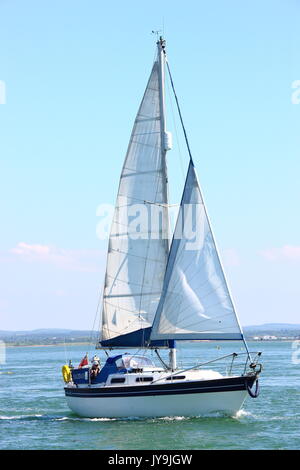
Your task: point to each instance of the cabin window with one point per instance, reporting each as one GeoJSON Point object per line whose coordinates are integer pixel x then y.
{"type": "Point", "coordinates": [176, 377]}
{"type": "Point", "coordinates": [144, 379]}
{"type": "Point", "coordinates": [118, 380]}
{"type": "Point", "coordinates": [136, 362]}
{"type": "Point", "coordinates": [120, 364]}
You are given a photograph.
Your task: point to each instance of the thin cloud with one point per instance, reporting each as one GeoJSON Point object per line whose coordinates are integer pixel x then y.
{"type": "Point", "coordinates": [286, 252]}
{"type": "Point", "coordinates": [75, 260]}
{"type": "Point", "coordinates": [24, 249]}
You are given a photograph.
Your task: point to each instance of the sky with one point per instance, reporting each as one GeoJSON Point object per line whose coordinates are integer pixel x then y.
{"type": "Point", "coordinates": [72, 75]}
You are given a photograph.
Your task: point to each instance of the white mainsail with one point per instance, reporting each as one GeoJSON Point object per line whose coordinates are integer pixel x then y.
{"type": "Point", "coordinates": [196, 302]}
{"type": "Point", "coordinates": [138, 243]}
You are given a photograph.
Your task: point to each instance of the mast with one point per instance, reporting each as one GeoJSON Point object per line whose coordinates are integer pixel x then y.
{"type": "Point", "coordinates": [161, 44]}
{"type": "Point", "coordinates": [165, 146]}
{"type": "Point", "coordinates": [164, 135]}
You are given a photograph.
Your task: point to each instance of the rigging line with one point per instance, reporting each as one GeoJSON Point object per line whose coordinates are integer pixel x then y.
{"type": "Point", "coordinates": [146, 118]}
{"type": "Point", "coordinates": [125, 197]}
{"type": "Point", "coordinates": [161, 360]}
{"type": "Point", "coordinates": [134, 312]}
{"type": "Point", "coordinates": [153, 260]}
{"type": "Point", "coordinates": [176, 133]}
{"type": "Point", "coordinates": [147, 133]}
{"type": "Point", "coordinates": [134, 199]}
{"type": "Point", "coordinates": [96, 314]}
{"type": "Point", "coordinates": [161, 204]}
{"type": "Point", "coordinates": [179, 111]}
{"type": "Point", "coordinates": [124, 282]}
{"type": "Point", "coordinates": [138, 173]}
{"type": "Point", "coordinates": [143, 144]}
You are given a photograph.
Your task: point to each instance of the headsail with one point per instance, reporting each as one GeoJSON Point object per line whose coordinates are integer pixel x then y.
{"type": "Point", "coordinates": [138, 247]}
{"type": "Point", "coordinates": [195, 303]}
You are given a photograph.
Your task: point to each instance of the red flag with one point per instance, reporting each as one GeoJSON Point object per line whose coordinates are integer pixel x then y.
{"type": "Point", "coordinates": [84, 362]}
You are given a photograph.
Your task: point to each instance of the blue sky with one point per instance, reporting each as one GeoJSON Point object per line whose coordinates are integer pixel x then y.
{"type": "Point", "coordinates": [74, 74]}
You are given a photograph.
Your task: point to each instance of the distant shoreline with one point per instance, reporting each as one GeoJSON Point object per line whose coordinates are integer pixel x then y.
{"type": "Point", "coordinates": [10, 345]}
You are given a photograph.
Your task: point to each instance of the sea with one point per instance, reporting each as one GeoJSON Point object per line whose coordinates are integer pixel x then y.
{"type": "Point", "coordinates": [34, 414]}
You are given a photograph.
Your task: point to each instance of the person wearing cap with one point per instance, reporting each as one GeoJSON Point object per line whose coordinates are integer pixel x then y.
{"type": "Point", "coordinates": [96, 358]}
{"type": "Point", "coordinates": [95, 369]}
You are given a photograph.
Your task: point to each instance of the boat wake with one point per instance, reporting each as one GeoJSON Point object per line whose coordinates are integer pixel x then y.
{"type": "Point", "coordinates": [39, 417]}
{"type": "Point", "coordinates": [239, 416]}
{"type": "Point", "coordinates": [22, 417]}
{"type": "Point", "coordinates": [243, 414]}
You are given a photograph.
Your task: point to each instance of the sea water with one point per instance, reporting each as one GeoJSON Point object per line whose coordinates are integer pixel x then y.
{"type": "Point", "coordinates": [34, 413]}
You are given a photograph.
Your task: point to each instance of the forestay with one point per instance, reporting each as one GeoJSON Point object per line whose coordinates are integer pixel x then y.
{"type": "Point", "coordinates": [195, 303]}
{"type": "Point", "coordinates": [138, 244]}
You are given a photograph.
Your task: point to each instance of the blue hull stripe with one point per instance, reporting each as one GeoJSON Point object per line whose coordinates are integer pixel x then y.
{"type": "Point", "coordinates": [203, 386]}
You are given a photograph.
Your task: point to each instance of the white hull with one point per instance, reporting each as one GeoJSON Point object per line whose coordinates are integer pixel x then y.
{"type": "Point", "coordinates": [158, 406]}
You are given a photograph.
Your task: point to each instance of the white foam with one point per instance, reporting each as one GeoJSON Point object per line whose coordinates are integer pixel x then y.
{"type": "Point", "coordinates": [21, 417]}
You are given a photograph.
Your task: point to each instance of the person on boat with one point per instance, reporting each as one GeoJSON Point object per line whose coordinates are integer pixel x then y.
{"type": "Point", "coordinates": [95, 369]}
{"type": "Point", "coordinates": [96, 358]}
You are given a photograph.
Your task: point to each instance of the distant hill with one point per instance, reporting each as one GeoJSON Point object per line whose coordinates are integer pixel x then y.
{"type": "Point", "coordinates": [60, 335]}
{"type": "Point", "coordinates": [280, 330]}
{"type": "Point", "coordinates": [273, 326]}
{"type": "Point", "coordinates": [47, 336]}
{"type": "Point", "coordinates": [45, 332]}
{"type": "Point", "coordinates": [68, 332]}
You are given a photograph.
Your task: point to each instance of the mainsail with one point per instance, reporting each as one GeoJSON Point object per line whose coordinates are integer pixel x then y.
{"type": "Point", "coordinates": [138, 243]}
{"type": "Point", "coordinates": [196, 302]}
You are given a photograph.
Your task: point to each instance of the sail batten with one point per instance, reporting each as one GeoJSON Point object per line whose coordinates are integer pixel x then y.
{"type": "Point", "coordinates": [195, 302]}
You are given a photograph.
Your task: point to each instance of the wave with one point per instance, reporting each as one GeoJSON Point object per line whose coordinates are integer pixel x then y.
{"type": "Point", "coordinates": [240, 415]}
{"type": "Point", "coordinates": [68, 418]}
{"type": "Point", "coordinates": [21, 417]}
{"type": "Point", "coordinates": [39, 417]}
{"type": "Point", "coordinates": [243, 414]}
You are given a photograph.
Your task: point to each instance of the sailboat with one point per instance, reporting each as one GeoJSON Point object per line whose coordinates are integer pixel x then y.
{"type": "Point", "coordinates": [160, 289]}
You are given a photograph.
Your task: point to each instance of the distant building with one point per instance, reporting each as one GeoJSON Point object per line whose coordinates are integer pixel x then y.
{"type": "Point", "coordinates": [265, 338]}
